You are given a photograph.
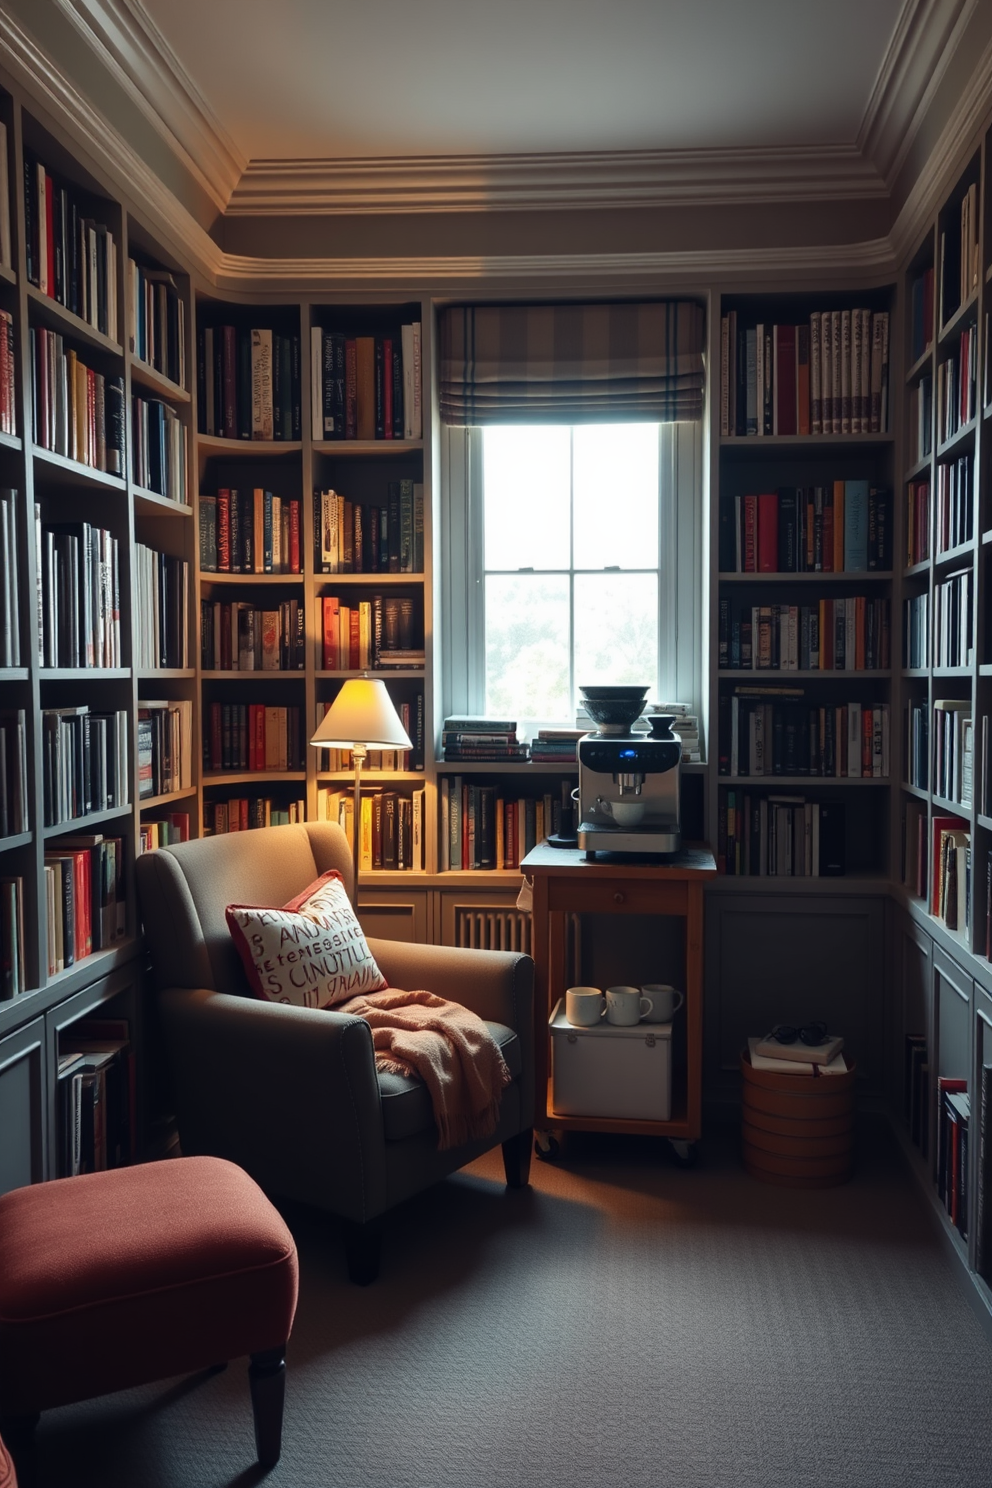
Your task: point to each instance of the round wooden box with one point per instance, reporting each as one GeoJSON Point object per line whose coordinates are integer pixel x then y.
{"type": "Point", "coordinates": [798, 1130]}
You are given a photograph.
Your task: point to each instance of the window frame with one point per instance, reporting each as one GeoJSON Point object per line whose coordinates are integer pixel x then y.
{"type": "Point", "coordinates": [462, 578]}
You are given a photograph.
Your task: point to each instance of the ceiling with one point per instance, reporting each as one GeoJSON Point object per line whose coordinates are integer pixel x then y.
{"type": "Point", "coordinates": [390, 78]}
{"type": "Point", "coordinates": [312, 79]}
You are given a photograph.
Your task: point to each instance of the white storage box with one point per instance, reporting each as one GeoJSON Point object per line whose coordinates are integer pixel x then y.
{"type": "Point", "coordinates": [611, 1071]}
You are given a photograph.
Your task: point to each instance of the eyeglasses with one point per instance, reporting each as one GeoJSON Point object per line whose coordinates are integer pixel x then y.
{"type": "Point", "coordinates": [810, 1034]}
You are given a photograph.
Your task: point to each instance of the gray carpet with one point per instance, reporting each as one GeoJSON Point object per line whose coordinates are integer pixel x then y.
{"type": "Point", "coordinates": [623, 1323]}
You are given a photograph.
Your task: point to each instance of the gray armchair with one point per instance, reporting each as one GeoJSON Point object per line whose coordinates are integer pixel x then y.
{"type": "Point", "coordinates": [292, 1094]}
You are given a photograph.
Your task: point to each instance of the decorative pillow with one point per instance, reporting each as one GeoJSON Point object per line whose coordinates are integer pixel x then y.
{"type": "Point", "coordinates": [310, 952]}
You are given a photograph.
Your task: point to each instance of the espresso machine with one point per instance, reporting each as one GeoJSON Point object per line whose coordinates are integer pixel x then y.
{"type": "Point", "coordinates": [628, 783]}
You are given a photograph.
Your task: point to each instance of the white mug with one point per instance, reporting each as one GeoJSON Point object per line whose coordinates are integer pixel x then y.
{"type": "Point", "coordinates": [625, 1006]}
{"type": "Point", "coordinates": [584, 1006]}
{"type": "Point", "coordinates": [663, 1001]}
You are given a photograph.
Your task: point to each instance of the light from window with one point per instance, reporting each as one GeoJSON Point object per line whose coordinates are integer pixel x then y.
{"type": "Point", "coordinates": [571, 564]}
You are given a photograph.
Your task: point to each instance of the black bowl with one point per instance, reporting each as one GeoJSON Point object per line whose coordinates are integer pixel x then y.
{"type": "Point", "coordinates": [613, 708]}
{"type": "Point", "coordinates": [614, 694]}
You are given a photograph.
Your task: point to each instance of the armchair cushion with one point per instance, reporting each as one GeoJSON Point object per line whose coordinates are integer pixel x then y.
{"type": "Point", "coordinates": [406, 1101]}
{"type": "Point", "coordinates": [310, 952]}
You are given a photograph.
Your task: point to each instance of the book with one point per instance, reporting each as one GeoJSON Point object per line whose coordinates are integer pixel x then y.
{"type": "Point", "coordinates": [774, 1065]}
{"type": "Point", "coordinates": [819, 1054]}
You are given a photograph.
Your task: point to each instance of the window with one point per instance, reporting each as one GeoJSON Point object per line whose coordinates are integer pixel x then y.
{"type": "Point", "coordinates": [571, 556]}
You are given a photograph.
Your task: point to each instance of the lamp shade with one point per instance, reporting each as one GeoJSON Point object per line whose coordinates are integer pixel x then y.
{"type": "Point", "coordinates": [362, 713]}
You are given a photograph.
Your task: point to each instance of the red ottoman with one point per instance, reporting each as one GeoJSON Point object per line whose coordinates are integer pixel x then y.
{"type": "Point", "coordinates": [114, 1279]}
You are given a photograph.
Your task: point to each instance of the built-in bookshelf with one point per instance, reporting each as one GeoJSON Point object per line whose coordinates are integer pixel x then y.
{"type": "Point", "coordinates": [804, 619]}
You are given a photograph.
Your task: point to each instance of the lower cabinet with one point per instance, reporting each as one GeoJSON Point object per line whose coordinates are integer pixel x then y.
{"type": "Point", "coordinates": [23, 1106]}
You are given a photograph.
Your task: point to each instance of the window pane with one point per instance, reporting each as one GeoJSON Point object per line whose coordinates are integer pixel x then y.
{"type": "Point", "coordinates": [526, 475]}
{"type": "Point", "coordinates": [616, 629]}
{"type": "Point", "coordinates": [527, 646]}
{"type": "Point", "coordinates": [616, 495]}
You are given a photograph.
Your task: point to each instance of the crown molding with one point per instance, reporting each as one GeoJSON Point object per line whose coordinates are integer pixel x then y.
{"type": "Point", "coordinates": [553, 181]}
{"type": "Point", "coordinates": [944, 159]}
{"type": "Point", "coordinates": [918, 55]}
{"type": "Point", "coordinates": [140, 60]}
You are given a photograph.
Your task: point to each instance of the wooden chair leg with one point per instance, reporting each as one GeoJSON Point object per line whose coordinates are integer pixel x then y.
{"type": "Point", "coordinates": [516, 1159]}
{"type": "Point", "coordinates": [267, 1380]}
{"type": "Point", "coordinates": [363, 1250]}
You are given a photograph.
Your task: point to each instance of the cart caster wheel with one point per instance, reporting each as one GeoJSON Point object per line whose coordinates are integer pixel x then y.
{"type": "Point", "coordinates": [684, 1153]}
{"type": "Point", "coordinates": [546, 1147]}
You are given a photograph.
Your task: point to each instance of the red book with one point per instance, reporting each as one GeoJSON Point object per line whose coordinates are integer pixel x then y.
{"type": "Point", "coordinates": [331, 659]}
{"type": "Point", "coordinates": [767, 545]}
{"type": "Point", "coordinates": [243, 814]}
{"type": "Point", "coordinates": [294, 537]}
{"type": "Point", "coordinates": [230, 381]}
{"type": "Point", "coordinates": [224, 531]}
{"type": "Point", "coordinates": [354, 640]}
{"type": "Point", "coordinates": [785, 379]}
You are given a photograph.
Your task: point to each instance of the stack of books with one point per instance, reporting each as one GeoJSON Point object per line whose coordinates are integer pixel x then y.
{"type": "Point", "coordinates": [485, 739]}
{"type": "Point", "coordinates": [798, 1058]}
{"type": "Point", "coordinates": [556, 745]}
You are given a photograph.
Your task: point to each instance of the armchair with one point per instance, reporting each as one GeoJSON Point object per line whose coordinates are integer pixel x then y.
{"type": "Point", "coordinates": [291, 1094]}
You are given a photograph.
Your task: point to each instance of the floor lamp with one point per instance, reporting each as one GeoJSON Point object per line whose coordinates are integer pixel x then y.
{"type": "Point", "coordinates": [361, 717]}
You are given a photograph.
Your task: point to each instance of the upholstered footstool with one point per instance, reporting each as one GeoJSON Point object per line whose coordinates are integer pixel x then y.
{"type": "Point", "coordinates": [115, 1279]}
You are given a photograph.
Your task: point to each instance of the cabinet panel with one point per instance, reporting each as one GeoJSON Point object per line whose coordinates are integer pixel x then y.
{"type": "Point", "coordinates": [395, 915]}
{"type": "Point", "coordinates": [22, 1106]}
{"type": "Point", "coordinates": [791, 960]}
{"type": "Point", "coordinates": [952, 994]}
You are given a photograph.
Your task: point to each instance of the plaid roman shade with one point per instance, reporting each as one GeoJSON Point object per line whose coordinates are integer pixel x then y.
{"type": "Point", "coordinates": [511, 364]}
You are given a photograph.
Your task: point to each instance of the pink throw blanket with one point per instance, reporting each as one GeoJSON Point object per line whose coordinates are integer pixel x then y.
{"type": "Point", "coordinates": [449, 1047]}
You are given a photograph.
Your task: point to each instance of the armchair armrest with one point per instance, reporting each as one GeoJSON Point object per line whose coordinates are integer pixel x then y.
{"type": "Point", "coordinates": [288, 1093]}
{"type": "Point", "coordinates": [497, 985]}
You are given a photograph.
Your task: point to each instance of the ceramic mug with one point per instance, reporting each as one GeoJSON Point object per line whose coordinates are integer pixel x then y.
{"type": "Point", "coordinates": [625, 1006]}
{"type": "Point", "coordinates": [584, 1006]}
{"type": "Point", "coordinates": [665, 1001]}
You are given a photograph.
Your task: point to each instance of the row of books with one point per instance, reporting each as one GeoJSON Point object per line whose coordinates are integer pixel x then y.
{"type": "Point", "coordinates": [832, 635]}
{"type": "Point", "coordinates": [785, 736]}
{"type": "Point", "coordinates": [253, 736]}
{"type": "Point", "coordinates": [14, 817]}
{"type": "Point", "coordinates": [161, 591]}
{"type": "Point", "coordinates": [157, 320]}
{"type": "Point", "coordinates": [165, 747]}
{"type": "Point", "coordinates": [236, 636]}
{"type": "Point", "coordinates": [482, 829]}
{"type": "Point", "coordinates": [13, 971]}
{"type": "Point", "coordinates": [952, 642]}
{"type": "Point", "coordinates": [70, 256]}
{"type": "Point", "coordinates": [843, 527]}
{"type": "Point", "coordinates": [8, 375]}
{"type": "Point", "coordinates": [954, 517]}
{"type": "Point", "coordinates": [249, 532]}
{"type": "Point", "coordinates": [249, 383]}
{"type": "Point", "coordinates": [243, 813]}
{"type": "Point", "coordinates": [381, 632]}
{"type": "Point", "coordinates": [917, 548]}
{"type": "Point", "coordinates": [411, 712]}
{"type": "Point", "coordinates": [78, 412]}
{"type": "Point", "coordinates": [391, 826]}
{"type": "Point", "coordinates": [86, 907]}
{"type": "Point", "coordinates": [829, 375]}
{"type": "Point", "coordinates": [950, 880]}
{"type": "Point", "coordinates": [780, 836]}
{"type": "Point", "coordinates": [80, 596]}
{"type": "Point", "coordinates": [953, 750]}
{"type": "Point", "coordinates": [366, 387]}
{"type": "Point", "coordinates": [84, 762]}
{"type": "Point", "coordinates": [957, 386]}
{"type": "Point", "coordinates": [960, 259]}
{"type": "Point", "coordinates": [158, 448]}
{"type": "Point", "coordinates": [96, 1097]}
{"type": "Point", "coordinates": [953, 1121]}
{"type": "Point", "coordinates": [353, 537]}
{"type": "Point", "coordinates": [917, 744]}
{"type": "Point", "coordinates": [163, 831]}
{"type": "Point", "coordinates": [919, 420]}
{"type": "Point", "coordinates": [10, 604]}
